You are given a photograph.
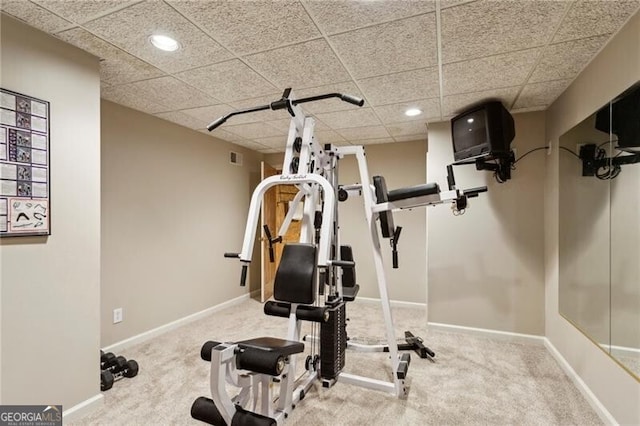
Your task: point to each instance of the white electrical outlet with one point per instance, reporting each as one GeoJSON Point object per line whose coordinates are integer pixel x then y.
{"type": "Point", "coordinates": [117, 315]}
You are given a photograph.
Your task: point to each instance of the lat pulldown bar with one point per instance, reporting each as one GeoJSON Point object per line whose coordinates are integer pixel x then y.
{"type": "Point", "coordinates": [286, 103]}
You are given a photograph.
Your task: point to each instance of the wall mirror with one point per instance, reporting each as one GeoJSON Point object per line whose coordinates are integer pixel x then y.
{"type": "Point", "coordinates": [599, 246]}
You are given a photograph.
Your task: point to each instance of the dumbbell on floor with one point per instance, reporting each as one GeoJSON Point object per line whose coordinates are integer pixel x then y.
{"type": "Point", "coordinates": [108, 378]}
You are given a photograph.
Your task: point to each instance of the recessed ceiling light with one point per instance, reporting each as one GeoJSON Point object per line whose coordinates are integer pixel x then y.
{"type": "Point", "coordinates": [469, 120]}
{"type": "Point", "coordinates": [164, 42]}
{"type": "Point", "coordinates": [412, 112]}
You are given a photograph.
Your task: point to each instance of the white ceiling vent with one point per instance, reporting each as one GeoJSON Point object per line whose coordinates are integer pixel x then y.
{"type": "Point", "coordinates": [235, 158]}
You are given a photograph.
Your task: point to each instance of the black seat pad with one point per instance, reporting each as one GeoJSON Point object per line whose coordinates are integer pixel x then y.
{"type": "Point", "coordinates": [413, 191]}
{"type": "Point", "coordinates": [271, 344]}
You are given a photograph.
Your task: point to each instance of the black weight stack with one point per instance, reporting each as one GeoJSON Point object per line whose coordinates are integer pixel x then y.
{"type": "Point", "coordinates": [333, 341]}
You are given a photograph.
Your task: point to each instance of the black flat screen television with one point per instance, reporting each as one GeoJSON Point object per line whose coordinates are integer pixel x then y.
{"type": "Point", "coordinates": [485, 130]}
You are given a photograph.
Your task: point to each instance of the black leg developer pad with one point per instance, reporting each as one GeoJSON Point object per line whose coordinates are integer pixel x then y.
{"type": "Point", "coordinates": [205, 410]}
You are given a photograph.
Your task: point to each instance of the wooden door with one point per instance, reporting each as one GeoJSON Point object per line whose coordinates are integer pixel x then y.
{"type": "Point", "coordinates": [268, 269]}
{"type": "Point", "coordinates": [285, 194]}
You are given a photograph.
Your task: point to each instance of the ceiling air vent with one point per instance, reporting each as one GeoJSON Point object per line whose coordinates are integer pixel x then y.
{"type": "Point", "coordinates": [235, 158]}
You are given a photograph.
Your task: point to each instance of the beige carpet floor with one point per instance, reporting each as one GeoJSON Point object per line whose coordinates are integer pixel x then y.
{"type": "Point", "coordinates": [474, 380]}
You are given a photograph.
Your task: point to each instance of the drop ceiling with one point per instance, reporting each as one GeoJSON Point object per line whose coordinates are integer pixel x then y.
{"type": "Point", "coordinates": [438, 56]}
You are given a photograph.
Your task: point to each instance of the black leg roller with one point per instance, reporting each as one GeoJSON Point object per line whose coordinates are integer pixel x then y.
{"type": "Point", "coordinates": [205, 352]}
{"type": "Point", "coordinates": [205, 410]}
{"type": "Point", "coordinates": [260, 361]}
{"type": "Point", "coordinates": [304, 312]}
{"type": "Point", "coordinates": [247, 418]}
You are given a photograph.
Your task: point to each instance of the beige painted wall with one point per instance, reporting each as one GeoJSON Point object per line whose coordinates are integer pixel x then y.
{"type": "Point", "coordinates": [615, 68]}
{"type": "Point", "coordinates": [401, 165]}
{"type": "Point", "coordinates": [51, 286]}
{"type": "Point", "coordinates": [172, 204]}
{"type": "Point", "coordinates": [486, 267]}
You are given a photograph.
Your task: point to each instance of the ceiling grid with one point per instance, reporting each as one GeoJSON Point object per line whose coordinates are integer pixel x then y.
{"type": "Point", "coordinates": [439, 56]}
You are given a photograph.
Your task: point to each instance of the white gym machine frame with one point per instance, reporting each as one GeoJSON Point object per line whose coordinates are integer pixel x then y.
{"type": "Point", "coordinates": [314, 170]}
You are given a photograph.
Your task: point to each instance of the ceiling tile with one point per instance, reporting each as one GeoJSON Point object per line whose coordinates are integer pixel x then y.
{"type": "Point", "coordinates": [376, 141]}
{"type": "Point", "coordinates": [130, 29]}
{"type": "Point", "coordinates": [510, 69]}
{"type": "Point", "coordinates": [455, 104]}
{"type": "Point", "coordinates": [395, 113]}
{"type": "Point", "coordinates": [81, 11]}
{"type": "Point", "coordinates": [182, 119]}
{"type": "Point", "coordinates": [406, 129]}
{"type": "Point", "coordinates": [410, 138]}
{"type": "Point", "coordinates": [250, 144]}
{"type": "Point", "coordinates": [250, 26]}
{"type": "Point", "coordinates": [283, 125]}
{"type": "Point", "coordinates": [328, 136]}
{"type": "Point", "coordinates": [299, 66]}
{"type": "Point", "coordinates": [208, 113]}
{"type": "Point", "coordinates": [369, 132]}
{"type": "Point", "coordinates": [334, 16]}
{"type": "Point", "coordinates": [172, 93]}
{"type": "Point", "coordinates": [278, 142]}
{"type": "Point", "coordinates": [254, 130]}
{"type": "Point", "coordinates": [130, 97]}
{"type": "Point", "coordinates": [229, 81]}
{"type": "Point", "coordinates": [352, 118]}
{"type": "Point", "coordinates": [222, 134]}
{"type": "Point", "coordinates": [34, 15]}
{"type": "Point", "coordinates": [401, 87]}
{"type": "Point", "coordinates": [566, 60]}
{"type": "Point", "coordinates": [486, 28]}
{"type": "Point", "coordinates": [269, 151]}
{"type": "Point", "coordinates": [116, 66]}
{"type": "Point", "coordinates": [332, 104]}
{"type": "Point", "coordinates": [444, 4]}
{"type": "Point", "coordinates": [540, 94]}
{"type": "Point", "coordinates": [387, 48]}
{"type": "Point", "coordinates": [590, 18]}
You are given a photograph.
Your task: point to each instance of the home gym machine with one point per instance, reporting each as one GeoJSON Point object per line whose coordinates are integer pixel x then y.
{"type": "Point", "coordinates": [313, 282]}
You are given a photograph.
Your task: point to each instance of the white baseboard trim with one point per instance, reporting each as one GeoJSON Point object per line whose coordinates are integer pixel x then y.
{"type": "Point", "coordinates": [394, 303]}
{"type": "Point", "coordinates": [143, 337]}
{"type": "Point", "coordinates": [593, 401]}
{"type": "Point", "coordinates": [493, 334]}
{"type": "Point", "coordinates": [85, 407]}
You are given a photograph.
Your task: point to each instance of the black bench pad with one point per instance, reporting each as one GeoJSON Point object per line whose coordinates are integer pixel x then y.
{"type": "Point", "coordinates": [413, 191]}
{"type": "Point", "coordinates": [271, 344]}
